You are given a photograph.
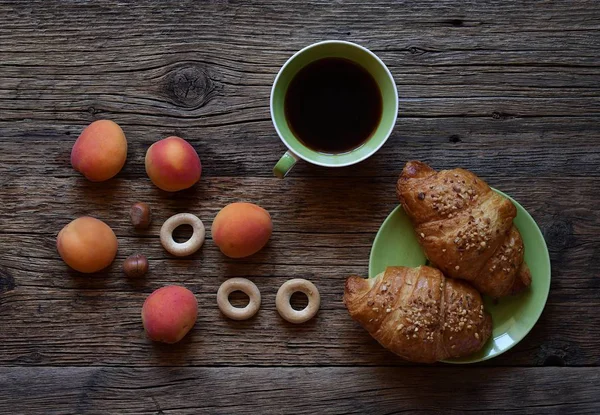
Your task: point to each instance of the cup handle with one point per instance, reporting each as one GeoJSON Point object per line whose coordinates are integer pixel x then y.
{"type": "Point", "coordinates": [285, 164]}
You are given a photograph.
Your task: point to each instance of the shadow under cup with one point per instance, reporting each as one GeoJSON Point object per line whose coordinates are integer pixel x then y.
{"type": "Point", "coordinates": [359, 55]}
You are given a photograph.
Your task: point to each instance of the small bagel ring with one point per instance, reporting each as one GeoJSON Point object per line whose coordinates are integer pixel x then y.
{"type": "Point", "coordinates": [282, 301]}
{"type": "Point", "coordinates": [245, 286]}
{"type": "Point", "coordinates": [191, 245]}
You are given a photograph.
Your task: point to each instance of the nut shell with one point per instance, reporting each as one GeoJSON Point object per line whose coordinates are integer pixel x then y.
{"type": "Point", "coordinates": [141, 215]}
{"type": "Point", "coordinates": [135, 266]}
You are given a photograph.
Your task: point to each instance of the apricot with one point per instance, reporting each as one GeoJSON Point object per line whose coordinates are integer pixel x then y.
{"type": "Point", "coordinates": [172, 164]}
{"type": "Point", "coordinates": [87, 244]}
{"type": "Point", "coordinates": [100, 151]}
{"type": "Point", "coordinates": [169, 313]}
{"type": "Point", "coordinates": [241, 229]}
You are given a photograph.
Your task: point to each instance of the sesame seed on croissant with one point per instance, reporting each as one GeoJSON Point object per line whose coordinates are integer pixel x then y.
{"type": "Point", "coordinates": [419, 314]}
{"type": "Point", "coordinates": [465, 228]}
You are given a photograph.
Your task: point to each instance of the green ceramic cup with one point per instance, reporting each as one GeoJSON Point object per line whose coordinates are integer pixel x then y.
{"type": "Point", "coordinates": [332, 49]}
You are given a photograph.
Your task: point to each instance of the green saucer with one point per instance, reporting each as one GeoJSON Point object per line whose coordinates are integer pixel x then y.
{"type": "Point", "coordinates": [513, 317]}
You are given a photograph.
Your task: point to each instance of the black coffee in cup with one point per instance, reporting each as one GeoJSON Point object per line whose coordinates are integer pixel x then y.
{"type": "Point", "coordinates": [333, 105]}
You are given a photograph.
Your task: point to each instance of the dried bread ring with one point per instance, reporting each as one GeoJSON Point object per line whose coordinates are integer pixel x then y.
{"type": "Point", "coordinates": [284, 294]}
{"type": "Point", "coordinates": [245, 286]}
{"type": "Point", "coordinates": [191, 245]}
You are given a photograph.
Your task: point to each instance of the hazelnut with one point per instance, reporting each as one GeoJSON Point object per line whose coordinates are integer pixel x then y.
{"type": "Point", "coordinates": [135, 266]}
{"type": "Point", "coordinates": [141, 215]}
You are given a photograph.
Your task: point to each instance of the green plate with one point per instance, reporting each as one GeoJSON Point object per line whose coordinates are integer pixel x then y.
{"type": "Point", "coordinates": [513, 317]}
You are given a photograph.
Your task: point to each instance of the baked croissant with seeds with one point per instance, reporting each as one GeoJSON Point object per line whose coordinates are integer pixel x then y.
{"type": "Point", "coordinates": [465, 228]}
{"type": "Point", "coordinates": [419, 314]}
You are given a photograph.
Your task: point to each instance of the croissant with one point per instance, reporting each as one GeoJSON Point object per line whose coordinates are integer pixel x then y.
{"type": "Point", "coordinates": [465, 228]}
{"type": "Point", "coordinates": [419, 314]}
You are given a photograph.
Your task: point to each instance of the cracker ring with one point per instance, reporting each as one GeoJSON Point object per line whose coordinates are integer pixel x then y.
{"type": "Point", "coordinates": [284, 294]}
{"type": "Point", "coordinates": [245, 286]}
{"type": "Point", "coordinates": [191, 245]}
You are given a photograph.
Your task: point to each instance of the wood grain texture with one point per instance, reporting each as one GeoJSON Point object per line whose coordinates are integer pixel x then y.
{"type": "Point", "coordinates": [491, 147]}
{"type": "Point", "coordinates": [509, 90]}
{"type": "Point", "coordinates": [299, 391]}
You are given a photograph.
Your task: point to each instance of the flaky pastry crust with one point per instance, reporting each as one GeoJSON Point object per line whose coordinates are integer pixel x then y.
{"type": "Point", "coordinates": [419, 314]}
{"type": "Point", "coordinates": [465, 228]}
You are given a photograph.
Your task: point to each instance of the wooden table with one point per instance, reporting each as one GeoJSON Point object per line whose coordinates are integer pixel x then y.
{"type": "Point", "coordinates": [506, 89]}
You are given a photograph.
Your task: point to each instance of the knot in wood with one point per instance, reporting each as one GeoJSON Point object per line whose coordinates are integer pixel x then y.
{"type": "Point", "coordinates": [554, 361]}
{"type": "Point", "coordinates": [498, 115]}
{"type": "Point", "coordinates": [455, 22]}
{"type": "Point", "coordinates": [415, 50]}
{"type": "Point", "coordinates": [30, 358]}
{"type": "Point", "coordinates": [7, 281]}
{"type": "Point", "coordinates": [189, 86]}
{"type": "Point", "coordinates": [559, 235]}
{"type": "Point", "coordinates": [454, 138]}
{"type": "Point", "coordinates": [558, 353]}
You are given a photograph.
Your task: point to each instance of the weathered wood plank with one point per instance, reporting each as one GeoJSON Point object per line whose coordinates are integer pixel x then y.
{"type": "Point", "coordinates": [309, 205]}
{"type": "Point", "coordinates": [249, 23]}
{"type": "Point", "coordinates": [98, 323]}
{"type": "Point", "coordinates": [209, 95]}
{"type": "Point", "coordinates": [299, 391]}
{"type": "Point", "coordinates": [490, 147]}
{"type": "Point", "coordinates": [209, 90]}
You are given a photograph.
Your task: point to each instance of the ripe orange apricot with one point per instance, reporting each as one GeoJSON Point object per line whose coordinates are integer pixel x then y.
{"type": "Point", "coordinates": [241, 229]}
{"type": "Point", "coordinates": [100, 151]}
{"type": "Point", "coordinates": [87, 244]}
{"type": "Point", "coordinates": [172, 164]}
{"type": "Point", "coordinates": [169, 313]}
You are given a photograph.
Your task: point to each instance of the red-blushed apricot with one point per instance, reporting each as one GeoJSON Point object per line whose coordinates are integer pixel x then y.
{"type": "Point", "coordinates": [87, 244]}
{"type": "Point", "coordinates": [169, 313]}
{"type": "Point", "coordinates": [241, 229]}
{"type": "Point", "coordinates": [172, 164]}
{"type": "Point", "coordinates": [100, 151]}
